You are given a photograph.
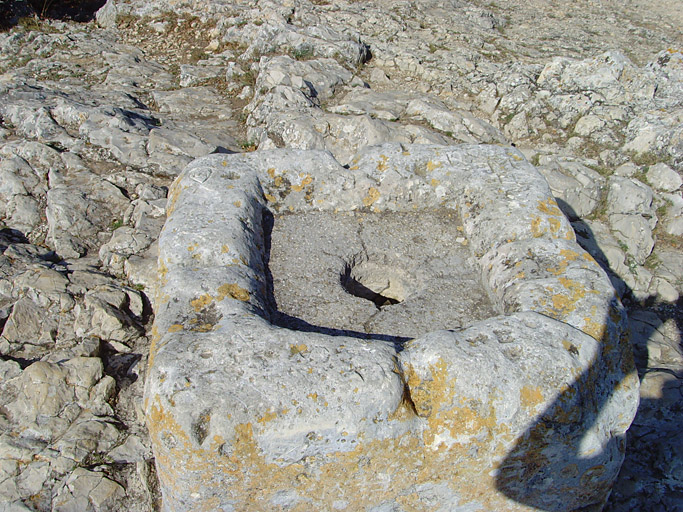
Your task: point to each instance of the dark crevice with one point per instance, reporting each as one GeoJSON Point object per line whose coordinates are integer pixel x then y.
{"type": "Point", "coordinates": [11, 11]}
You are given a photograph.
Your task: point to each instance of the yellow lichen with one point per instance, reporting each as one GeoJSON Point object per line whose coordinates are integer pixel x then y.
{"type": "Point", "coordinates": [307, 180]}
{"type": "Point", "coordinates": [549, 207]}
{"type": "Point", "coordinates": [382, 165]}
{"type": "Point", "coordinates": [201, 302]}
{"type": "Point", "coordinates": [298, 349]}
{"type": "Point", "coordinates": [373, 195]}
{"type": "Point", "coordinates": [431, 165]}
{"type": "Point", "coordinates": [234, 291]}
{"type": "Point", "coordinates": [531, 397]}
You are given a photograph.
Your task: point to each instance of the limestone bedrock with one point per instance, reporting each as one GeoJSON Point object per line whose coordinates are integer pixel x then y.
{"type": "Point", "coordinates": [522, 410]}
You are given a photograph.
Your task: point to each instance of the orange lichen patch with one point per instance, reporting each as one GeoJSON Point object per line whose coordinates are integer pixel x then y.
{"type": "Point", "coordinates": [271, 172]}
{"type": "Point", "coordinates": [568, 256]}
{"type": "Point", "coordinates": [433, 398]}
{"type": "Point", "coordinates": [225, 249]}
{"type": "Point", "coordinates": [373, 195]}
{"type": "Point", "coordinates": [536, 227]}
{"type": "Point", "coordinates": [192, 247]}
{"type": "Point", "coordinates": [232, 290]}
{"type": "Point", "coordinates": [201, 302]}
{"type": "Point", "coordinates": [238, 204]}
{"type": "Point", "coordinates": [307, 180]}
{"type": "Point", "coordinates": [173, 195]}
{"type": "Point", "coordinates": [278, 181]}
{"type": "Point", "coordinates": [268, 416]}
{"type": "Point", "coordinates": [270, 198]}
{"type": "Point", "coordinates": [203, 327]}
{"type": "Point", "coordinates": [555, 225]}
{"type": "Point", "coordinates": [298, 349]}
{"type": "Point", "coordinates": [155, 337]}
{"type": "Point", "coordinates": [382, 165]}
{"type": "Point", "coordinates": [462, 421]}
{"type": "Point", "coordinates": [562, 306]}
{"type": "Point", "coordinates": [162, 270]}
{"type": "Point", "coordinates": [594, 329]}
{"type": "Point", "coordinates": [435, 183]}
{"type": "Point", "coordinates": [354, 168]}
{"type": "Point", "coordinates": [549, 207]}
{"type": "Point", "coordinates": [432, 165]}
{"type": "Point", "coordinates": [531, 397]}
{"type": "Point", "coordinates": [590, 259]}
{"type": "Point", "coordinates": [175, 328]}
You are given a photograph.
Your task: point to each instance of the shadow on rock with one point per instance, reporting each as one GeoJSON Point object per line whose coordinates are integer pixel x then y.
{"type": "Point", "coordinates": [551, 460]}
{"type": "Point", "coordinates": [11, 11]}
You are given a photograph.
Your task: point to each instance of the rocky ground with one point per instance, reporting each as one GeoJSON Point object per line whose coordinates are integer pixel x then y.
{"type": "Point", "coordinates": [97, 118]}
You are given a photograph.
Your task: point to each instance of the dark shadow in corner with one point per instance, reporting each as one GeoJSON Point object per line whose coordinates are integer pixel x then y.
{"type": "Point", "coordinates": [11, 11]}
{"type": "Point", "coordinates": [523, 475]}
{"type": "Point", "coordinates": [286, 321]}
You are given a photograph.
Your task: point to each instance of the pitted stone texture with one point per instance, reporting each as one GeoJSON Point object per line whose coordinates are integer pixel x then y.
{"type": "Point", "coordinates": [392, 274]}
{"type": "Point", "coordinates": [246, 415]}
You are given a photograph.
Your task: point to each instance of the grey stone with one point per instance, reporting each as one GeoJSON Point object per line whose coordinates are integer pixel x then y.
{"type": "Point", "coordinates": [588, 125]}
{"type": "Point", "coordinates": [106, 15]}
{"type": "Point", "coordinates": [86, 491]}
{"type": "Point", "coordinates": [635, 232]}
{"type": "Point", "coordinates": [195, 75]}
{"type": "Point", "coordinates": [132, 450]}
{"type": "Point", "coordinates": [662, 177]}
{"type": "Point", "coordinates": [75, 218]}
{"type": "Point", "coordinates": [106, 316]}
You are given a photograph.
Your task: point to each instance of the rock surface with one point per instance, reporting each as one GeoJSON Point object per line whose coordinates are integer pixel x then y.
{"type": "Point", "coordinates": [90, 141]}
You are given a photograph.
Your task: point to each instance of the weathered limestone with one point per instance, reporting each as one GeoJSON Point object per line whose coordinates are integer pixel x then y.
{"type": "Point", "coordinates": [519, 410]}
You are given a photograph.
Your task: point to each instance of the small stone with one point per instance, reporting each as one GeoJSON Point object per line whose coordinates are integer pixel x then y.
{"type": "Point", "coordinates": [106, 15]}
{"type": "Point", "coordinates": [627, 170]}
{"type": "Point", "coordinates": [378, 76]}
{"type": "Point", "coordinates": [635, 233]}
{"type": "Point", "coordinates": [588, 124]}
{"type": "Point", "coordinates": [662, 177]}
{"type": "Point", "coordinates": [627, 196]}
{"type": "Point", "coordinates": [86, 491]}
{"type": "Point", "coordinates": [132, 450]}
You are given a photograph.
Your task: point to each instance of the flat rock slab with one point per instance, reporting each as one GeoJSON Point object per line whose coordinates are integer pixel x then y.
{"type": "Point", "coordinates": [392, 275]}
{"type": "Point", "coordinates": [256, 399]}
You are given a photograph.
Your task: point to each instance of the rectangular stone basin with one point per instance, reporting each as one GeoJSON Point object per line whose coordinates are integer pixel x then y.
{"type": "Point", "coordinates": [416, 331]}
